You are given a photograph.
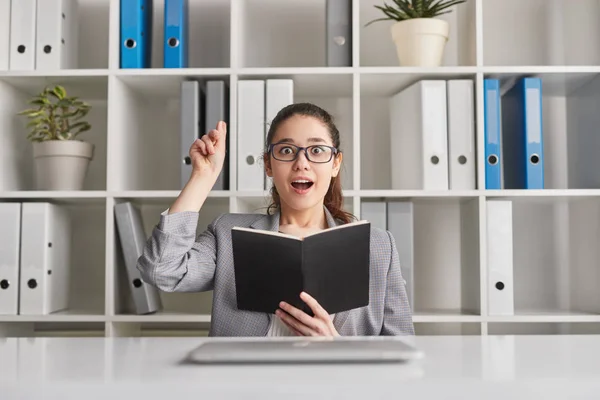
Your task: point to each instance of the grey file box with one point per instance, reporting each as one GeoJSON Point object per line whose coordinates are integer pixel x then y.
{"type": "Point", "coordinates": [216, 101]}
{"type": "Point", "coordinates": [145, 297]}
{"type": "Point", "coordinates": [191, 117]}
{"type": "Point", "coordinates": [338, 19]}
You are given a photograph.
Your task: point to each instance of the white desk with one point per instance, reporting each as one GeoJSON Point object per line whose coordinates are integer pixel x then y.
{"type": "Point", "coordinates": [454, 367]}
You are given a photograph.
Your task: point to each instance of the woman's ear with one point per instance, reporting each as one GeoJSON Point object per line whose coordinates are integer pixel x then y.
{"type": "Point", "coordinates": [337, 162]}
{"type": "Point", "coordinates": [267, 163]}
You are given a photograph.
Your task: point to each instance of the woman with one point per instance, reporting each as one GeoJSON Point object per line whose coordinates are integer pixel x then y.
{"type": "Point", "coordinates": [304, 160]}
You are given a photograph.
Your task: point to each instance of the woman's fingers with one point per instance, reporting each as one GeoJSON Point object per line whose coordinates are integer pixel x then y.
{"type": "Point", "coordinates": [300, 315]}
{"type": "Point", "coordinates": [314, 306]}
{"type": "Point", "coordinates": [295, 325]}
{"type": "Point", "coordinates": [209, 144]}
{"type": "Point", "coordinates": [201, 146]}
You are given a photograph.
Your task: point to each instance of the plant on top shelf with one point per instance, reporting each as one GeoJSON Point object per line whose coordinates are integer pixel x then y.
{"type": "Point", "coordinates": [55, 122]}
{"type": "Point", "coordinates": [419, 35]}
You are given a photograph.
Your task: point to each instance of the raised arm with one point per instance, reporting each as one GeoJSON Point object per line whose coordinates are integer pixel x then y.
{"type": "Point", "coordinates": [174, 259]}
{"type": "Point", "coordinates": [397, 315]}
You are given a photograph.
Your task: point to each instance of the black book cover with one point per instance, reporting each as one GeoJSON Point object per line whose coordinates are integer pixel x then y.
{"type": "Point", "coordinates": [331, 265]}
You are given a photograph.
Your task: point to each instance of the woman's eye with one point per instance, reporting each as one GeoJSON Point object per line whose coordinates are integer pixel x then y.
{"type": "Point", "coordinates": [317, 150]}
{"type": "Point", "coordinates": [286, 150]}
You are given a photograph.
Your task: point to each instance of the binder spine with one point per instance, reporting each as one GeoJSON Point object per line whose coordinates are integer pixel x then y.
{"type": "Point", "coordinates": [216, 109]}
{"type": "Point", "coordinates": [492, 134]}
{"type": "Point", "coordinates": [5, 28]}
{"type": "Point", "coordinates": [10, 237]}
{"type": "Point", "coordinates": [190, 123]}
{"type": "Point", "coordinates": [146, 298]}
{"type": "Point", "coordinates": [23, 15]}
{"type": "Point", "coordinates": [176, 34]}
{"type": "Point", "coordinates": [136, 33]}
{"type": "Point", "coordinates": [251, 134]}
{"type": "Point", "coordinates": [338, 19]}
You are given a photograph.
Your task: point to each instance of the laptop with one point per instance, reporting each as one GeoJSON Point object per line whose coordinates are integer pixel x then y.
{"type": "Point", "coordinates": [305, 350]}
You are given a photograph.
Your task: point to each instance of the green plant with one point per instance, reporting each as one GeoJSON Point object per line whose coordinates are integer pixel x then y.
{"type": "Point", "coordinates": [409, 9]}
{"type": "Point", "coordinates": [57, 116]}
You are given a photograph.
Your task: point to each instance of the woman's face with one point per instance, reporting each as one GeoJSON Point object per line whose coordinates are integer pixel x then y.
{"type": "Point", "coordinates": [302, 184]}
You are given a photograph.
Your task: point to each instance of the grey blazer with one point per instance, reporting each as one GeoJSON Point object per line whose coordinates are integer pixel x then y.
{"type": "Point", "coordinates": [175, 260]}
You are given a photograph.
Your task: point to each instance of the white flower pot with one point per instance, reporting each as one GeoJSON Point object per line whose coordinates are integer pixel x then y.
{"type": "Point", "coordinates": [61, 164]}
{"type": "Point", "coordinates": [420, 42]}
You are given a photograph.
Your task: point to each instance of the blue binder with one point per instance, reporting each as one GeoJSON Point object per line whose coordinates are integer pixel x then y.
{"type": "Point", "coordinates": [492, 134]}
{"type": "Point", "coordinates": [136, 33]}
{"type": "Point", "coordinates": [176, 34]}
{"type": "Point", "coordinates": [523, 135]}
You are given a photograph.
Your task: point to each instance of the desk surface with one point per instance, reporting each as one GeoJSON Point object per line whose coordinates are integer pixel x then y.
{"type": "Point", "coordinates": [491, 367]}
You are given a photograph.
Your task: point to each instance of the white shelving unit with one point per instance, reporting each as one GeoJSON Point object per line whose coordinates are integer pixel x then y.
{"type": "Point", "coordinates": [135, 130]}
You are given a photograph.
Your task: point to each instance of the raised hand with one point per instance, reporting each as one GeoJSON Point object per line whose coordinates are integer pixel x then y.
{"type": "Point", "coordinates": [303, 324]}
{"type": "Point", "coordinates": [208, 152]}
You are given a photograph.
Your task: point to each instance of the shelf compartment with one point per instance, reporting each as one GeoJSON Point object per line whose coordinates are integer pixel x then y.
{"type": "Point", "coordinates": [440, 241]}
{"type": "Point", "coordinates": [555, 253]}
{"type": "Point", "coordinates": [16, 154]}
{"type": "Point", "coordinates": [376, 93]}
{"type": "Point", "coordinates": [145, 131]}
{"type": "Point", "coordinates": [209, 32]}
{"type": "Point", "coordinates": [86, 263]}
{"type": "Point", "coordinates": [543, 328]}
{"type": "Point", "coordinates": [93, 34]}
{"type": "Point", "coordinates": [378, 49]}
{"type": "Point", "coordinates": [569, 121]}
{"type": "Point", "coordinates": [333, 93]}
{"type": "Point", "coordinates": [540, 32]}
{"type": "Point", "coordinates": [273, 33]}
{"type": "Point", "coordinates": [176, 303]}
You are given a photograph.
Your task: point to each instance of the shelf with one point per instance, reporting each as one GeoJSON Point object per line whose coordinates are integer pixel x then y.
{"type": "Point", "coordinates": [377, 47]}
{"type": "Point", "coordinates": [135, 121]}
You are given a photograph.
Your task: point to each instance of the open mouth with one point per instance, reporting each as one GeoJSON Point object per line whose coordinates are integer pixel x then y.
{"type": "Point", "coordinates": [302, 184]}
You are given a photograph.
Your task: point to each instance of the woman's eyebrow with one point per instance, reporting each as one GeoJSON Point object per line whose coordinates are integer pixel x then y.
{"type": "Point", "coordinates": [313, 139]}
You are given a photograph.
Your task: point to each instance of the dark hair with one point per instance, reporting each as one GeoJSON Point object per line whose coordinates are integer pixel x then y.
{"type": "Point", "coordinates": [333, 198]}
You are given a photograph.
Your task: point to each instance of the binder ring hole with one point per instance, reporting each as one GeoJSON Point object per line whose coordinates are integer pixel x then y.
{"type": "Point", "coordinates": [130, 43]}
{"type": "Point", "coordinates": [49, 244]}
{"type": "Point", "coordinates": [462, 160]}
{"type": "Point", "coordinates": [21, 49]}
{"type": "Point", "coordinates": [435, 160]}
{"type": "Point", "coordinates": [499, 285]}
{"type": "Point", "coordinates": [339, 40]}
{"type": "Point", "coordinates": [187, 160]}
{"type": "Point", "coordinates": [173, 42]}
{"type": "Point", "coordinates": [47, 49]}
{"type": "Point", "coordinates": [32, 283]}
{"type": "Point", "coordinates": [137, 283]}
{"type": "Point", "coordinates": [4, 284]}
{"type": "Point", "coordinates": [535, 159]}
{"type": "Point", "coordinates": [492, 160]}
{"type": "Point", "coordinates": [250, 160]}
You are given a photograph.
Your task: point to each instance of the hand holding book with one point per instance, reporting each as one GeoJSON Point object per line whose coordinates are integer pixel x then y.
{"type": "Point", "coordinates": [303, 324]}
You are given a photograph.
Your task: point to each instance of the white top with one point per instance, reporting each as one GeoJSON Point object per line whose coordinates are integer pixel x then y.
{"type": "Point", "coordinates": [454, 367]}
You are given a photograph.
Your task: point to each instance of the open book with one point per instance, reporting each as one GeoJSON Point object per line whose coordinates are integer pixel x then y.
{"type": "Point", "coordinates": [331, 265]}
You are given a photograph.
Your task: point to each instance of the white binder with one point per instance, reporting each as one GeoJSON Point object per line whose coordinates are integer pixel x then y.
{"type": "Point", "coordinates": [45, 258]}
{"type": "Point", "coordinates": [10, 238]}
{"type": "Point", "coordinates": [419, 137]}
{"type": "Point", "coordinates": [251, 134]}
{"type": "Point", "coordinates": [4, 34]}
{"type": "Point", "coordinates": [56, 35]}
{"type": "Point", "coordinates": [500, 257]}
{"type": "Point", "coordinates": [279, 93]}
{"type": "Point", "coordinates": [461, 134]}
{"type": "Point", "coordinates": [22, 35]}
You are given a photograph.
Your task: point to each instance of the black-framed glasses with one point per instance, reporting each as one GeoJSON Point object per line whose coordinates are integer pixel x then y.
{"type": "Point", "coordinates": [318, 153]}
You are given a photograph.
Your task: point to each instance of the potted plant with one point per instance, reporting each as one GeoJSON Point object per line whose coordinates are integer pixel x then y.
{"type": "Point", "coordinates": [61, 160]}
{"type": "Point", "coordinates": [420, 37]}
